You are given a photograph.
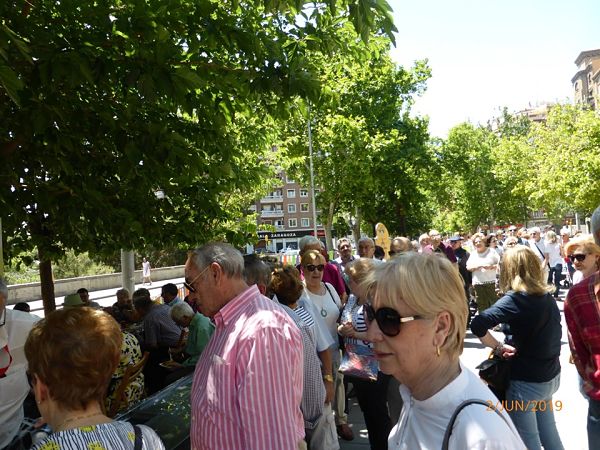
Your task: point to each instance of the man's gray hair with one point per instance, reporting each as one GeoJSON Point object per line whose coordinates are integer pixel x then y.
{"type": "Point", "coordinates": [225, 255]}
{"type": "Point", "coordinates": [181, 310]}
{"type": "Point", "coordinates": [595, 224]}
{"type": "Point", "coordinates": [367, 239]}
{"type": "Point", "coordinates": [342, 240]}
{"type": "Point", "coordinates": [308, 240]}
{"type": "Point", "coordinates": [256, 271]}
{"type": "Point", "coordinates": [3, 289]}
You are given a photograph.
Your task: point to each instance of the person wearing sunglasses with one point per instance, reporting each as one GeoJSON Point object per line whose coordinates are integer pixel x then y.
{"type": "Point", "coordinates": [371, 395]}
{"type": "Point", "coordinates": [584, 254]}
{"type": "Point", "coordinates": [327, 302]}
{"type": "Point", "coordinates": [528, 308]}
{"type": "Point", "coordinates": [417, 324]}
{"type": "Point", "coordinates": [583, 321]}
{"type": "Point", "coordinates": [14, 328]}
{"type": "Point", "coordinates": [247, 386]}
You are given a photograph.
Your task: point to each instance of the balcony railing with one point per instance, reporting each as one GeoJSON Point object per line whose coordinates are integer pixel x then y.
{"type": "Point", "coordinates": [272, 199]}
{"type": "Point", "coordinates": [271, 213]}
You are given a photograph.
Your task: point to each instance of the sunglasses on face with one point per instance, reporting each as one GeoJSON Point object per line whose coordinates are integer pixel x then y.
{"type": "Point", "coordinates": [579, 257]}
{"type": "Point", "coordinates": [511, 244]}
{"type": "Point", "coordinates": [189, 286]}
{"type": "Point", "coordinates": [388, 320]}
{"type": "Point", "coordinates": [312, 267]}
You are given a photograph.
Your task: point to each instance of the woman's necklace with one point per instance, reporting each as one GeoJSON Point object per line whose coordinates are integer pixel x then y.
{"type": "Point", "coordinates": [75, 419]}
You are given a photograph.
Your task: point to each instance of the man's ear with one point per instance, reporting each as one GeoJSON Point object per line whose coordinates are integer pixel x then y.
{"type": "Point", "coordinates": [41, 391]}
{"type": "Point", "coordinates": [262, 288]}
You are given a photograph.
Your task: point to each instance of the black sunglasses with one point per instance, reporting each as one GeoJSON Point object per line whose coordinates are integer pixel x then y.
{"type": "Point", "coordinates": [189, 286]}
{"type": "Point", "coordinates": [388, 320]}
{"type": "Point", "coordinates": [579, 257]}
{"type": "Point", "coordinates": [312, 267]}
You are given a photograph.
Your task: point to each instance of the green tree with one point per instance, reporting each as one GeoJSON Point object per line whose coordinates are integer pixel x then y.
{"type": "Point", "coordinates": [104, 104]}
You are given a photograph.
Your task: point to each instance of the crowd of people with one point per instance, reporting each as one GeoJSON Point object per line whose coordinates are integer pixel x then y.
{"type": "Point", "coordinates": [275, 350]}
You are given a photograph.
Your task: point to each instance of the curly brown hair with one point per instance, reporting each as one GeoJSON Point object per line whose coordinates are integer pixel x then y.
{"type": "Point", "coordinates": [286, 284]}
{"type": "Point", "coordinates": [74, 352]}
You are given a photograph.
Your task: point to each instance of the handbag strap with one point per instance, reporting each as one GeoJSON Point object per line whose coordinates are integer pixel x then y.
{"type": "Point", "coordinates": [137, 443]}
{"type": "Point", "coordinates": [457, 411]}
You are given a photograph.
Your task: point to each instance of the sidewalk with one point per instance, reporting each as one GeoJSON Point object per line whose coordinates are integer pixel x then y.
{"type": "Point", "coordinates": [357, 423]}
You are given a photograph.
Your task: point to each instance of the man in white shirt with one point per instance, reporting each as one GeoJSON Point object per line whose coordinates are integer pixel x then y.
{"type": "Point", "coordinates": [14, 329]}
{"type": "Point", "coordinates": [537, 245]}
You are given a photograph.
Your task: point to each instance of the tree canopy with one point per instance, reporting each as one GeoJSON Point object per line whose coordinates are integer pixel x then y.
{"type": "Point", "coordinates": [106, 103]}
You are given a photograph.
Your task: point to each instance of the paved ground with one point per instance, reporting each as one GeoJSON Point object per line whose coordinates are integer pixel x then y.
{"type": "Point", "coordinates": [571, 420]}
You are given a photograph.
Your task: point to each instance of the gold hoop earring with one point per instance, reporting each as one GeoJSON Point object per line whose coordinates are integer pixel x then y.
{"type": "Point", "coordinates": [437, 350]}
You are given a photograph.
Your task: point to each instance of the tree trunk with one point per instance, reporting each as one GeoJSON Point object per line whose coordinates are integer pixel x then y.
{"type": "Point", "coordinates": [356, 230]}
{"type": "Point", "coordinates": [47, 284]}
{"type": "Point", "coordinates": [328, 225]}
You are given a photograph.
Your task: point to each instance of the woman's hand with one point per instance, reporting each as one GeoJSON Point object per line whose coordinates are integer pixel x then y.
{"type": "Point", "coordinates": [507, 351]}
{"type": "Point", "coordinates": [346, 329]}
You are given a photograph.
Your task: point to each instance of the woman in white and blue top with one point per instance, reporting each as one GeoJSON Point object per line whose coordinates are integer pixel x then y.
{"type": "Point", "coordinates": [371, 395]}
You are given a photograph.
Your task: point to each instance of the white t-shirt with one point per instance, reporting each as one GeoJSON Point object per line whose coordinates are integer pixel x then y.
{"type": "Point", "coordinates": [553, 251]}
{"type": "Point", "coordinates": [488, 258]}
{"type": "Point", "coordinates": [328, 305]}
{"type": "Point", "coordinates": [423, 422]}
{"type": "Point", "coordinates": [14, 386]}
{"type": "Point", "coordinates": [540, 250]}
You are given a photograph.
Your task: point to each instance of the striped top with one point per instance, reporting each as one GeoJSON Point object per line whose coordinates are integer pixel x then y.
{"type": "Point", "coordinates": [353, 312]}
{"type": "Point", "coordinates": [105, 436]}
{"type": "Point", "coordinates": [248, 381]}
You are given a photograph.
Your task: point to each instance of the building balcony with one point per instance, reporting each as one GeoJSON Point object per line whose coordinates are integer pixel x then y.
{"type": "Point", "coordinates": [272, 199]}
{"type": "Point", "coordinates": [252, 208]}
{"type": "Point", "coordinates": [272, 213]}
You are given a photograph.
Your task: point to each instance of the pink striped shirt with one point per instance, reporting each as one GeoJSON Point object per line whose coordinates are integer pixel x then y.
{"type": "Point", "coordinates": [248, 381]}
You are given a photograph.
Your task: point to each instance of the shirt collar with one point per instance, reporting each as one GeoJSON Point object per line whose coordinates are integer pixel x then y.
{"type": "Point", "coordinates": [231, 310]}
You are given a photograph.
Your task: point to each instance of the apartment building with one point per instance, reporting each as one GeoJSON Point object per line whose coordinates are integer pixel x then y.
{"type": "Point", "coordinates": [586, 82]}
{"type": "Point", "coordinates": [289, 210]}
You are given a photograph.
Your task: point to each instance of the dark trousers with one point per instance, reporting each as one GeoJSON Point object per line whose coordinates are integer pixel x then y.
{"type": "Point", "coordinates": [372, 399]}
{"type": "Point", "coordinates": [554, 277]}
{"type": "Point", "coordinates": [154, 374]}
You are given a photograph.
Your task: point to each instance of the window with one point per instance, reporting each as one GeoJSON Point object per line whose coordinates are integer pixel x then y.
{"type": "Point", "coordinates": [303, 207]}
{"type": "Point", "coordinates": [305, 223]}
{"type": "Point", "coordinates": [292, 208]}
{"type": "Point", "coordinates": [303, 192]}
{"type": "Point", "coordinates": [279, 223]}
{"type": "Point", "coordinates": [289, 180]}
{"type": "Point", "coordinates": [291, 193]}
{"type": "Point", "coordinates": [267, 222]}
{"type": "Point", "coordinates": [292, 223]}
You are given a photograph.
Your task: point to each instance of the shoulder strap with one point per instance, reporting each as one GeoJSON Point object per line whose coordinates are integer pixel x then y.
{"type": "Point", "coordinates": [538, 249]}
{"type": "Point", "coordinates": [137, 443]}
{"type": "Point", "coordinates": [330, 294]}
{"type": "Point", "coordinates": [457, 411]}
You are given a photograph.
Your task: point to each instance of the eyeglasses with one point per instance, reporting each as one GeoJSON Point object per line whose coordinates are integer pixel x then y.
{"type": "Point", "coordinates": [312, 267]}
{"type": "Point", "coordinates": [189, 286]}
{"type": "Point", "coordinates": [510, 244]}
{"type": "Point", "coordinates": [478, 242]}
{"type": "Point", "coordinates": [579, 257]}
{"type": "Point", "coordinates": [388, 319]}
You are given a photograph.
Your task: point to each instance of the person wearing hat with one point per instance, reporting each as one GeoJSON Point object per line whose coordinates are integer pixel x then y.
{"type": "Point", "coordinates": [72, 301]}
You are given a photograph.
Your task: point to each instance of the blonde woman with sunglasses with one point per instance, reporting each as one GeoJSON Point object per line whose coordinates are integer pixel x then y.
{"type": "Point", "coordinates": [584, 254]}
{"type": "Point", "coordinates": [416, 323]}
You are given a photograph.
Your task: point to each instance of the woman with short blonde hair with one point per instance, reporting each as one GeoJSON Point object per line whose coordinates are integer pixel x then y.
{"type": "Point", "coordinates": [534, 349]}
{"type": "Point", "coordinates": [417, 326]}
{"type": "Point", "coordinates": [584, 253]}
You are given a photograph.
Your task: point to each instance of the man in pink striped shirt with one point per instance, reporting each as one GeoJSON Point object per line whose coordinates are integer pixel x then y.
{"type": "Point", "coordinates": [248, 381]}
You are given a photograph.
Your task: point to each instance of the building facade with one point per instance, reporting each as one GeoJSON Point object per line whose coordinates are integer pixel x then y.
{"type": "Point", "coordinates": [586, 82]}
{"type": "Point", "coordinates": [288, 209]}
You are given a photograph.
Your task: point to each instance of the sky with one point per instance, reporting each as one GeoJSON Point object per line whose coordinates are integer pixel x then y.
{"type": "Point", "coordinates": [488, 54]}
